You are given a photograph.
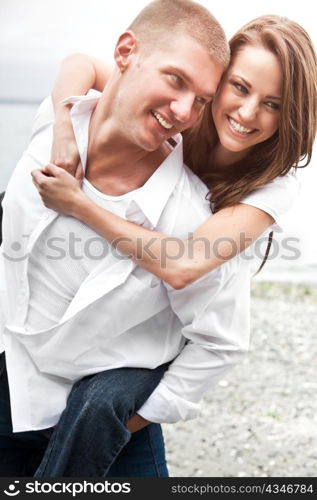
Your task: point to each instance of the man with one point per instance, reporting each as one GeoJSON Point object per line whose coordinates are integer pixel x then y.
{"type": "Point", "coordinates": [68, 315]}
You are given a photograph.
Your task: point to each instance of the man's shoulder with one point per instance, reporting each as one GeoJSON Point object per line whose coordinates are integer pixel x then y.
{"type": "Point", "coordinates": [37, 154]}
{"type": "Point", "coordinates": [44, 116]}
{"type": "Point", "coordinates": [194, 181]}
{"type": "Point", "coordinates": [193, 189]}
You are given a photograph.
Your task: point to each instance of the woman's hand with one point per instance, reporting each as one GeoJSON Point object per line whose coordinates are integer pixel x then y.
{"type": "Point", "coordinates": [136, 423]}
{"type": "Point", "coordinates": [58, 189]}
{"type": "Point", "coordinates": [64, 151]}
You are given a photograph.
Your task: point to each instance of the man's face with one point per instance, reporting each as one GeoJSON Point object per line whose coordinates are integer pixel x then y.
{"type": "Point", "coordinates": [164, 90]}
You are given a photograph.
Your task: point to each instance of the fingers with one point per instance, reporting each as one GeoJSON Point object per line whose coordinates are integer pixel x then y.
{"type": "Point", "coordinates": [79, 174]}
{"type": "Point", "coordinates": [51, 170]}
{"type": "Point", "coordinates": [41, 177]}
{"type": "Point", "coordinates": [37, 177]}
{"type": "Point", "coordinates": [68, 166]}
{"type": "Point", "coordinates": [43, 184]}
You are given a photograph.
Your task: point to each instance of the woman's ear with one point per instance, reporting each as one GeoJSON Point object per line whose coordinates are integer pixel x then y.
{"type": "Point", "coordinates": [126, 47]}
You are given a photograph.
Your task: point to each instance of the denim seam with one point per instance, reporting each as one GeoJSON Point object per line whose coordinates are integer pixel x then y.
{"type": "Point", "coordinates": [115, 454]}
{"type": "Point", "coordinates": [152, 450]}
{"type": "Point", "coordinates": [46, 458]}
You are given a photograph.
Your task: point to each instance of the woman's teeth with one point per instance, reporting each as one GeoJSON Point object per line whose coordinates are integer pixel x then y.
{"type": "Point", "coordinates": [239, 128]}
{"type": "Point", "coordinates": [161, 120]}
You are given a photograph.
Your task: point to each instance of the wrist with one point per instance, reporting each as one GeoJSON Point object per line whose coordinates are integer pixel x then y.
{"type": "Point", "coordinates": [80, 206]}
{"type": "Point", "coordinates": [136, 423]}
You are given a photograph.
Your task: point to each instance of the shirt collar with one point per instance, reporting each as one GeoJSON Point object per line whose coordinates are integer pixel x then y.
{"type": "Point", "coordinates": [152, 197]}
{"type": "Point", "coordinates": [80, 114]}
{"type": "Point", "coordinates": [149, 201]}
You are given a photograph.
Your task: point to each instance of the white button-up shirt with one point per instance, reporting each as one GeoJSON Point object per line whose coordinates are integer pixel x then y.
{"type": "Point", "coordinates": [121, 315]}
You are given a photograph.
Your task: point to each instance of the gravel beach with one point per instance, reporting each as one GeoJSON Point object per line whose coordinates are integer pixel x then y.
{"type": "Point", "coordinates": [261, 420]}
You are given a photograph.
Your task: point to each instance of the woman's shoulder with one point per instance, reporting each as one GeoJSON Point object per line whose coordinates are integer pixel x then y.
{"type": "Point", "coordinates": [287, 182]}
{"type": "Point", "coordinates": [284, 186]}
{"type": "Point", "coordinates": [276, 197]}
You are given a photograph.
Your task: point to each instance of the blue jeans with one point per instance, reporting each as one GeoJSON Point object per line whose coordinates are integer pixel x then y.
{"type": "Point", "coordinates": [21, 452]}
{"type": "Point", "coordinates": [143, 456]}
{"type": "Point", "coordinates": [91, 438]}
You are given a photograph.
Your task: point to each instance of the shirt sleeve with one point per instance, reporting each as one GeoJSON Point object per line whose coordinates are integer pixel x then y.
{"type": "Point", "coordinates": [276, 198]}
{"type": "Point", "coordinates": [215, 315]}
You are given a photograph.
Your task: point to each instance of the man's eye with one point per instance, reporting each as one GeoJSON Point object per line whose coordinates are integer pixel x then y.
{"type": "Point", "coordinates": [176, 79]}
{"type": "Point", "coordinates": [201, 100]}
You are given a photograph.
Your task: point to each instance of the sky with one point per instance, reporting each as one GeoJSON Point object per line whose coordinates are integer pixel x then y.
{"type": "Point", "coordinates": [35, 35]}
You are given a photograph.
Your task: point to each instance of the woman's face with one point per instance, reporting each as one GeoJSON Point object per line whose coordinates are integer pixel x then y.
{"type": "Point", "coordinates": [246, 110]}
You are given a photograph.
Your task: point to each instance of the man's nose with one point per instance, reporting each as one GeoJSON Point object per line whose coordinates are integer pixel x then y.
{"type": "Point", "coordinates": [182, 108]}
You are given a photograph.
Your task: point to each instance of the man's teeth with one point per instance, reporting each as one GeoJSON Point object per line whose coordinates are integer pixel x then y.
{"type": "Point", "coordinates": [161, 120]}
{"type": "Point", "coordinates": [236, 126]}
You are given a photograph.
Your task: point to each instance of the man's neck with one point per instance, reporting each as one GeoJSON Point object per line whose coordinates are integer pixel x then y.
{"type": "Point", "coordinates": [116, 166]}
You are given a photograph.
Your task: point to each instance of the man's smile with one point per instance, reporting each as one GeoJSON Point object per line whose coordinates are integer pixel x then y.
{"type": "Point", "coordinates": [165, 124]}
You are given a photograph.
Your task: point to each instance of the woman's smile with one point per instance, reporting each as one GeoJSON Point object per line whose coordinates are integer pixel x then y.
{"type": "Point", "coordinates": [238, 128]}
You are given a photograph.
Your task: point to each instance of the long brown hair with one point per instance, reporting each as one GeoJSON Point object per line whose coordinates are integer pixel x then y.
{"type": "Point", "coordinates": [291, 146]}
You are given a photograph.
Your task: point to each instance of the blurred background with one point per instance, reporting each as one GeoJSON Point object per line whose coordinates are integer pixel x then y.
{"type": "Point", "coordinates": [36, 35]}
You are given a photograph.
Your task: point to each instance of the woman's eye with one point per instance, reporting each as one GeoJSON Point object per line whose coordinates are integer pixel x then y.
{"type": "Point", "coordinates": [272, 105]}
{"type": "Point", "coordinates": [240, 88]}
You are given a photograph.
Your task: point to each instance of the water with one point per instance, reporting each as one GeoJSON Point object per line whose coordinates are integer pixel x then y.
{"type": "Point", "coordinates": [15, 127]}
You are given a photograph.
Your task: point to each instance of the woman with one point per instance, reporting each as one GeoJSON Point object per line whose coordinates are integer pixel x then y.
{"type": "Point", "coordinates": [261, 124]}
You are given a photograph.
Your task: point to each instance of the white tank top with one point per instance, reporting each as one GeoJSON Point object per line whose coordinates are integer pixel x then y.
{"type": "Point", "coordinates": [62, 258]}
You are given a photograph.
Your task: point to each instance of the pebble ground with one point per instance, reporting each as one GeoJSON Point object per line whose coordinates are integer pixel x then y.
{"type": "Point", "coordinates": [261, 420]}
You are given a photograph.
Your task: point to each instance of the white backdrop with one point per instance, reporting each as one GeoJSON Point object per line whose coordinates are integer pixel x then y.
{"type": "Point", "coordinates": [43, 31]}
{"type": "Point", "coordinates": [50, 28]}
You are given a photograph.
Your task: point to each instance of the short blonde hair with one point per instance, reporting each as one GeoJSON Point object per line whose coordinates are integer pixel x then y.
{"type": "Point", "coordinates": [162, 19]}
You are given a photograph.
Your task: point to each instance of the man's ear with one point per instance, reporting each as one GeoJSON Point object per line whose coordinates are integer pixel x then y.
{"type": "Point", "coordinates": [126, 46]}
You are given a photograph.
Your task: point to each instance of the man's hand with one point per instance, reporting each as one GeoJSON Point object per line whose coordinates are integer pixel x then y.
{"type": "Point", "coordinates": [136, 423]}
{"type": "Point", "coordinates": [64, 151]}
{"type": "Point", "coordinates": [59, 190]}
